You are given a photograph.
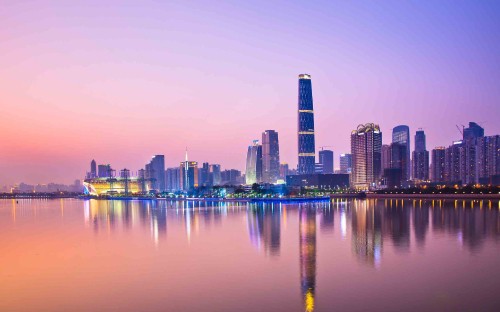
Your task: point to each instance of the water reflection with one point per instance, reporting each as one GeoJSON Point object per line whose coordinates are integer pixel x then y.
{"type": "Point", "coordinates": [374, 229]}
{"type": "Point", "coordinates": [307, 245]}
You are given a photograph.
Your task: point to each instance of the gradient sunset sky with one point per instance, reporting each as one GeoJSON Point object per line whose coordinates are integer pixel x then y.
{"type": "Point", "coordinates": [120, 81]}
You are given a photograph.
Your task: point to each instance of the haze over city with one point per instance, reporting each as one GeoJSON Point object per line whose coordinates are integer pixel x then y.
{"type": "Point", "coordinates": [121, 82]}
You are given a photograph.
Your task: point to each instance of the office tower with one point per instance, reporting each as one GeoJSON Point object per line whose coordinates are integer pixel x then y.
{"type": "Point", "coordinates": [104, 171]}
{"type": "Point", "coordinates": [386, 156]}
{"type": "Point", "coordinates": [438, 166]}
{"type": "Point", "coordinates": [307, 151]}
{"type": "Point", "coordinates": [420, 158]}
{"type": "Point", "coordinates": [173, 179]}
{"type": "Point", "coordinates": [93, 169]}
{"type": "Point", "coordinates": [345, 163]}
{"type": "Point", "coordinates": [318, 168]}
{"type": "Point", "coordinates": [326, 159]}
{"type": "Point", "coordinates": [270, 156]}
{"type": "Point", "coordinates": [214, 174]}
{"type": "Point", "coordinates": [488, 154]}
{"type": "Point", "coordinates": [396, 173]}
{"type": "Point", "coordinates": [401, 135]}
{"type": "Point", "coordinates": [155, 171]}
{"type": "Point", "coordinates": [253, 173]}
{"type": "Point", "coordinates": [188, 174]}
{"type": "Point", "coordinates": [473, 131]}
{"type": "Point", "coordinates": [366, 148]}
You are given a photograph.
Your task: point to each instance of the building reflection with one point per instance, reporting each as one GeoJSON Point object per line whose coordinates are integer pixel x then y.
{"type": "Point", "coordinates": [307, 247]}
{"type": "Point", "coordinates": [397, 224]}
{"type": "Point", "coordinates": [368, 222]}
{"type": "Point", "coordinates": [367, 240]}
{"type": "Point", "coordinates": [264, 227]}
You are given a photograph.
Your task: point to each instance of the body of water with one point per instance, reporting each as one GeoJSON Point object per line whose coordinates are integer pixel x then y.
{"type": "Point", "coordinates": [345, 255]}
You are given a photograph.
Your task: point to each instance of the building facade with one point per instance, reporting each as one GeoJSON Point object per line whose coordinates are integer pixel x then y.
{"type": "Point", "coordinates": [366, 148]}
{"type": "Point", "coordinates": [420, 158]}
{"type": "Point", "coordinates": [155, 170]}
{"type": "Point", "coordinates": [306, 141]}
{"type": "Point", "coordinates": [345, 163]}
{"type": "Point", "coordinates": [253, 172]}
{"type": "Point", "coordinates": [326, 160]}
{"type": "Point", "coordinates": [270, 157]}
{"type": "Point", "coordinates": [438, 165]}
{"type": "Point", "coordinates": [401, 135]}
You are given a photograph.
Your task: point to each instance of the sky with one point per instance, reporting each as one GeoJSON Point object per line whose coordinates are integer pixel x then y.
{"type": "Point", "coordinates": [120, 81]}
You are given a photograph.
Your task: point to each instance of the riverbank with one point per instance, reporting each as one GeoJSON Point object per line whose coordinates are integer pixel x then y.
{"type": "Point", "coordinates": [433, 196]}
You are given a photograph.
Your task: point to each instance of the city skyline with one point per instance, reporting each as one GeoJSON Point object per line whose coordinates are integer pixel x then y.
{"type": "Point", "coordinates": [119, 94]}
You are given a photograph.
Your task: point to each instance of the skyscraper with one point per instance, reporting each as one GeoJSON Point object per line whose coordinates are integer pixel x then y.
{"type": "Point", "coordinates": [93, 169]}
{"type": "Point", "coordinates": [438, 166]}
{"type": "Point", "coordinates": [307, 151]}
{"type": "Point", "coordinates": [253, 172]}
{"type": "Point", "coordinates": [155, 170]}
{"type": "Point", "coordinates": [386, 157]}
{"type": "Point", "coordinates": [397, 173]}
{"type": "Point", "coordinates": [345, 163]}
{"type": "Point", "coordinates": [326, 160]}
{"type": "Point", "coordinates": [401, 135]}
{"type": "Point", "coordinates": [283, 171]}
{"type": "Point", "coordinates": [366, 146]}
{"type": "Point", "coordinates": [270, 156]}
{"type": "Point", "coordinates": [188, 174]}
{"type": "Point", "coordinates": [215, 175]}
{"type": "Point", "coordinates": [173, 179]}
{"type": "Point", "coordinates": [420, 158]}
{"type": "Point", "coordinates": [473, 131]}
{"type": "Point", "coordinates": [488, 154]}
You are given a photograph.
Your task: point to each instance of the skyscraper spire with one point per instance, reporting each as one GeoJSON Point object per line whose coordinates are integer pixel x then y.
{"type": "Point", "coordinates": [186, 154]}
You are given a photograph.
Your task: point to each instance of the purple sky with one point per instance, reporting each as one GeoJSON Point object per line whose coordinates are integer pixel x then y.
{"type": "Point", "coordinates": [122, 81]}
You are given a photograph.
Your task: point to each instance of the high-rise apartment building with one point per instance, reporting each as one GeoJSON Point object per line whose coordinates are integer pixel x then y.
{"type": "Point", "coordinates": [306, 144]}
{"type": "Point", "coordinates": [420, 158]}
{"type": "Point", "coordinates": [474, 131]}
{"type": "Point", "coordinates": [438, 165]}
{"type": "Point", "coordinates": [253, 173]}
{"type": "Point", "coordinates": [345, 163]}
{"type": "Point", "coordinates": [488, 154]}
{"type": "Point", "coordinates": [270, 156]}
{"type": "Point", "coordinates": [366, 148]}
{"type": "Point", "coordinates": [401, 135]}
{"type": "Point", "coordinates": [326, 160]}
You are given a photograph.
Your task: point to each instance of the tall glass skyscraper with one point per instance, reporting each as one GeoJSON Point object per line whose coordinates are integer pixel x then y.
{"type": "Point", "coordinates": [253, 172]}
{"type": "Point", "coordinates": [401, 135]}
{"type": "Point", "coordinates": [270, 156]}
{"type": "Point", "coordinates": [307, 149]}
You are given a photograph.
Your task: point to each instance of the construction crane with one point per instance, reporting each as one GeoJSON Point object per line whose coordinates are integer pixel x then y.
{"type": "Point", "coordinates": [461, 130]}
